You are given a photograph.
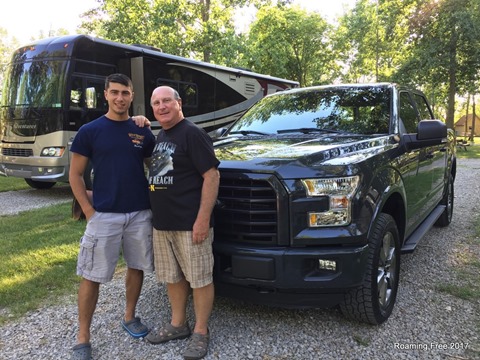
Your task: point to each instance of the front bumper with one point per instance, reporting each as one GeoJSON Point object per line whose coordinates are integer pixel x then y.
{"type": "Point", "coordinates": [39, 173]}
{"type": "Point", "coordinates": [287, 277]}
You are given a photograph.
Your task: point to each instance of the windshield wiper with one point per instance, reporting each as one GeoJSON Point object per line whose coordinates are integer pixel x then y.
{"type": "Point", "coordinates": [248, 132]}
{"type": "Point", "coordinates": [310, 130]}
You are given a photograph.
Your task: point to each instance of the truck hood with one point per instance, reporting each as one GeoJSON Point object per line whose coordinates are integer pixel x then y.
{"type": "Point", "coordinates": [263, 153]}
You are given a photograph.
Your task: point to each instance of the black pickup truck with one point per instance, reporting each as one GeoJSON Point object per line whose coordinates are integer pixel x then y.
{"type": "Point", "coordinates": [322, 189]}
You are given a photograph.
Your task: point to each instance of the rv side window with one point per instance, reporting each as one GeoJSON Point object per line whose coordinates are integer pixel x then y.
{"type": "Point", "coordinates": [94, 68]}
{"type": "Point", "coordinates": [94, 96]}
{"type": "Point", "coordinates": [188, 91]}
{"type": "Point", "coordinates": [87, 92]}
{"type": "Point", "coordinates": [76, 94]}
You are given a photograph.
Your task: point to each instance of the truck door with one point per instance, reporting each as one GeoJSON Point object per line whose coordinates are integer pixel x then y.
{"type": "Point", "coordinates": [437, 154]}
{"type": "Point", "coordinates": [417, 175]}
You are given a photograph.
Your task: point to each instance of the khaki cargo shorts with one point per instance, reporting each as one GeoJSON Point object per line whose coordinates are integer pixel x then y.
{"type": "Point", "coordinates": [108, 234]}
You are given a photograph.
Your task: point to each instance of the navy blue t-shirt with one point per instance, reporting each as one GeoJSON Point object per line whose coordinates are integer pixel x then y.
{"type": "Point", "coordinates": [117, 150]}
{"type": "Point", "coordinates": [180, 158]}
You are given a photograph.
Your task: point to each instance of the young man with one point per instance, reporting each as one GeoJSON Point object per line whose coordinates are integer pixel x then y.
{"type": "Point", "coordinates": [119, 217]}
{"type": "Point", "coordinates": [183, 183]}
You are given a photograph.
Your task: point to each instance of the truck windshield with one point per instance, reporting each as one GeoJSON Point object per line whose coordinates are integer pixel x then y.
{"type": "Point", "coordinates": [39, 84]}
{"type": "Point", "coordinates": [352, 110]}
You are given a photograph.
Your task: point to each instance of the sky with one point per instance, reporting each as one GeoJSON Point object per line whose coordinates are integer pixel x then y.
{"type": "Point", "coordinates": [24, 19]}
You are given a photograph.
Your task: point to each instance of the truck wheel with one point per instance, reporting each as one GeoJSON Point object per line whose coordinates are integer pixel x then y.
{"type": "Point", "coordinates": [446, 218]}
{"type": "Point", "coordinates": [88, 176]}
{"type": "Point", "coordinates": [39, 184]}
{"type": "Point", "coordinates": [374, 300]}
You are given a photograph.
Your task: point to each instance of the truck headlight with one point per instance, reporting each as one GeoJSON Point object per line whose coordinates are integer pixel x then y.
{"type": "Point", "coordinates": [52, 151]}
{"type": "Point", "coordinates": [340, 192]}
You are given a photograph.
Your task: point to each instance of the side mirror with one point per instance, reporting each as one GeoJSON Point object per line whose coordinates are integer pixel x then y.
{"type": "Point", "coordinates": [219, 132]}
{"type": "Point", "coordinates": [429, 133]}
{"type": "Point", "coordinates": [431, 129]}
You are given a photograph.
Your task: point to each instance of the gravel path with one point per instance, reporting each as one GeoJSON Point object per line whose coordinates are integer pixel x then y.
{"type": "Point", "coordinates": [425, 324]}
{"type": "Point", "coordinates": [12, 202]}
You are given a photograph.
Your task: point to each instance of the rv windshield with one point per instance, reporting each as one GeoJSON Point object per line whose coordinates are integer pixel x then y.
{"type": "Point", "coordinates": [39, 84]}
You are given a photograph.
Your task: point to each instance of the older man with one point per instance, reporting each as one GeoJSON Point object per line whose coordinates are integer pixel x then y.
{"type": "Point", "coordinates": [183, 183]}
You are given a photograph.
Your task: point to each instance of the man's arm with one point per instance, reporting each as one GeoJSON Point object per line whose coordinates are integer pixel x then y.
{"type": "Point", "coordinates": [78, 165]}
{"type": "Point", "coordinates": [211, 182]}
{"type": "Point", "coordinates": [141, 121]}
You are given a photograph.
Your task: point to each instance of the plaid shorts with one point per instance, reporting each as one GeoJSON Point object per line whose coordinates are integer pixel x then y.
{"type": "Point", "coordinates": [176, 257]}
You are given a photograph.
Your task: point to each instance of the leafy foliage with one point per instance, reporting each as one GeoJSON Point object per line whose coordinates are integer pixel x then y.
{"type": "Point", "coordinates": [7, 45]}
{"type": "Point", "coordinates": [445, 44]}
{"type": "Point", "coordinates": [290, 43]}
{"type": "Point", "coordinates": [372, 39]}
{"type": "Point", "coordinates": [201, 29]}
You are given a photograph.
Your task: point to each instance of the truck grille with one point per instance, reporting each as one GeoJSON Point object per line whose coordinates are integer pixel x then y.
{"type": "Point", "coordinates": [246, 211]}
{"type": "Point", "coordinates": [17, 152]}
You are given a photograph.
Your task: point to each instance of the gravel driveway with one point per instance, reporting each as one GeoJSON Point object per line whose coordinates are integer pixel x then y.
{"type": "Point", "coordinates": [425, 324]}
{"type": "Point", "coordinates": [12, 202]}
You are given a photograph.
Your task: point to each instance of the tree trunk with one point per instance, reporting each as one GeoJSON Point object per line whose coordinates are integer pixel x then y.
{"type": "Point", "coordinates": [205, 19]}
{"type": "Point", "coordinates": [474, 117]}
{"type": "Point", "coordinates": [452, 79]}
{"type": "Point", "coordinates": [465, 132]}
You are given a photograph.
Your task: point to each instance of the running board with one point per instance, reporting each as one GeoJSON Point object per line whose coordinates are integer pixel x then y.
{"type": "Point", "coordinates": [412, 242]}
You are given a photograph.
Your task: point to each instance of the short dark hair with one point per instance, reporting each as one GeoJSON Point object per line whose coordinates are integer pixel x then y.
{"type": "Point", "coordinates": [118, 78]}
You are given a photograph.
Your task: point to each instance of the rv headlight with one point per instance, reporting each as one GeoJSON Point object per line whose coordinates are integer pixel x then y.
{"type": "Point", "coordinates": [339, 192]}
{"type": "Point", "coordinates": [53, 151]}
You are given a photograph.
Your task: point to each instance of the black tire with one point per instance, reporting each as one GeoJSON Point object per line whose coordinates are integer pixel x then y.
{"type": "Point", "coordinates": [446, 218]}
{"type": "Point", "coordinates": [374, 300]}
{"type": "Point", "coordinates": [39, 184]}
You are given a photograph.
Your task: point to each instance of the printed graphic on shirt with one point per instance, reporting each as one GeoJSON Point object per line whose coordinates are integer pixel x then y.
{"type": "Point", "coordinates": [137, 139]}
{"type": "Point", "coordinates": [162, 163]}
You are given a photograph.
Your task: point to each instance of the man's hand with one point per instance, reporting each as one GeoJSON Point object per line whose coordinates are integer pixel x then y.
{"type": "Point", "coordinates": [141, 121]}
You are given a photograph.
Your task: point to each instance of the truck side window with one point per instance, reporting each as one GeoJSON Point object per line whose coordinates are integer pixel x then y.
{"type": "Point", "coordinates": [422, 107]}
{"type": "Point", "coordinates": [408, 113]}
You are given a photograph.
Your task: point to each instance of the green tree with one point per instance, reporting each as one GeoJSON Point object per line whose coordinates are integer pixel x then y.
{"type": "Point", "coordinates": [371, 40]}
{"type": "Point", "coordinates": [200, 29]}
{"type": "Point", "coordinates": [7, 46]}
{"type": "Point", "coordinates": [288, 42]}
{"type": "Point", "coordinates": [138, 22]}
{"type": "Point", "coordinates": [446, 51]}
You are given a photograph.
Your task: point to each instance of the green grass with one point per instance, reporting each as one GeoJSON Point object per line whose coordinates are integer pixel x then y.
{"type": "Point", "coordinates": [466, 265]}
{"type": "Point", "coordinates": [466, 280]}
{"type": "Point", "coordinates": [12, 184]}
{"type": "Point", "coordinates": [472, 152]}
{"type": "Point", "coordinates": [38, 252]}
